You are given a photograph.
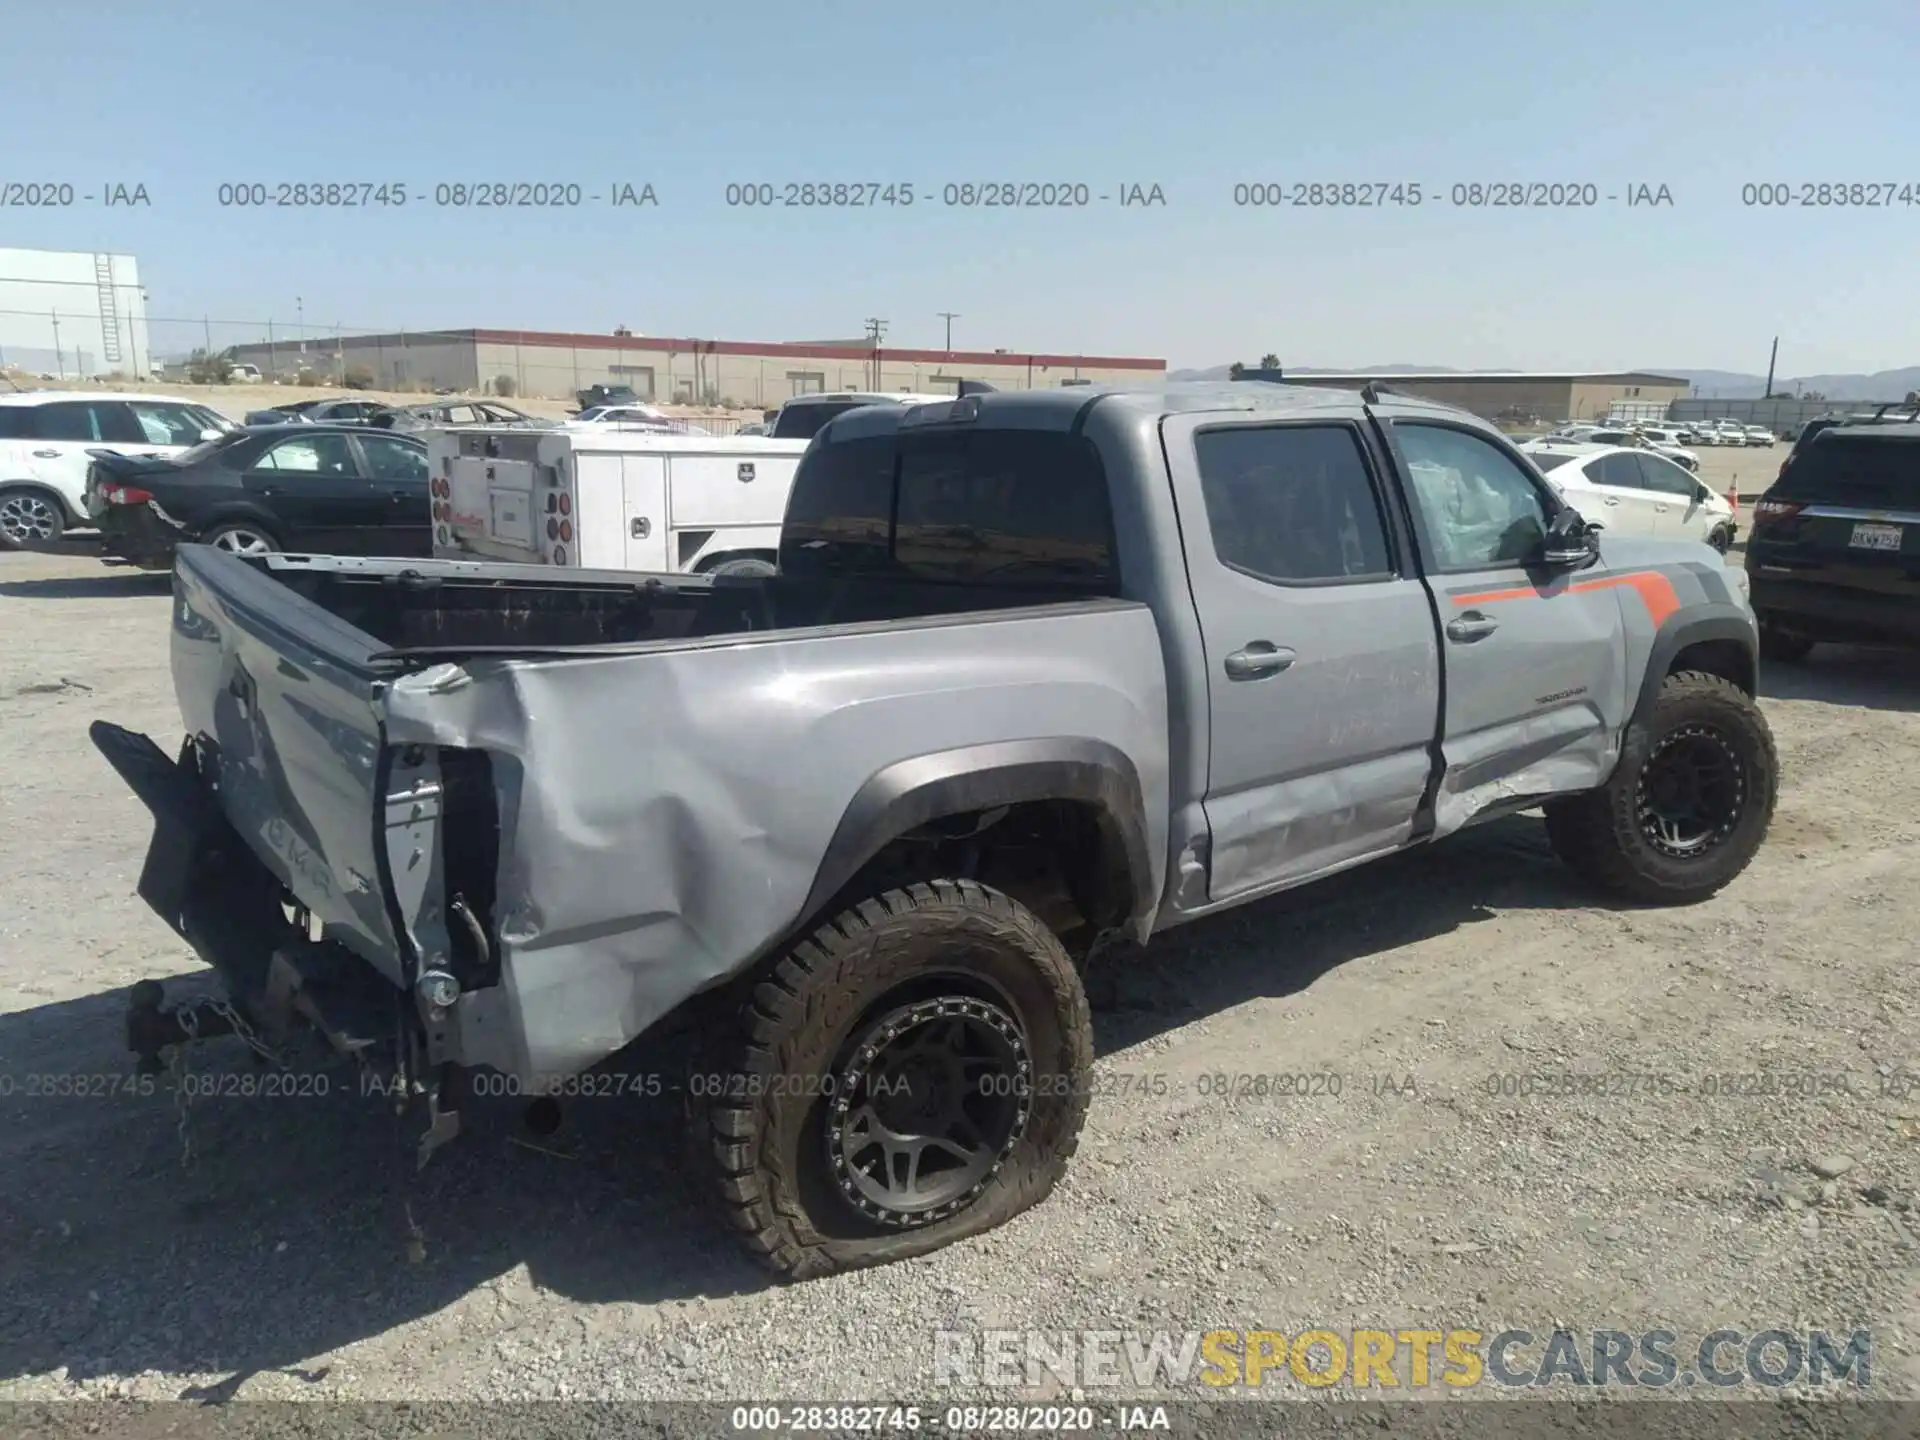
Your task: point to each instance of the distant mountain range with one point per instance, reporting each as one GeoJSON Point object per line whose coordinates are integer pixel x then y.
{"type": "Point", "coordinates": [1707, 384]}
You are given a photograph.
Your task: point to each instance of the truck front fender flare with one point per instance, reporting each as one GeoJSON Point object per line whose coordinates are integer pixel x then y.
{"type": "Point", "coordinates": [907, 794]}
{"type": "Point", "coordinates": [1717, 621]}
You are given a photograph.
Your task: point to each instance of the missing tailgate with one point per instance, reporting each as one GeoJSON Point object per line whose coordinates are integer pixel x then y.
{"type": "Point", "coordinates": [471, 830]}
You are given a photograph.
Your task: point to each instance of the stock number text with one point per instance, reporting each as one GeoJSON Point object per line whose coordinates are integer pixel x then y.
{"type": "Point", "coordinates": [313, 195]}
{"type": "Point", "coordinates": [1832, 194]}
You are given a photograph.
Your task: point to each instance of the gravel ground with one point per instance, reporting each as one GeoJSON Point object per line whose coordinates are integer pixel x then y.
{"type": "Point", "coordinates": [297, 1258]}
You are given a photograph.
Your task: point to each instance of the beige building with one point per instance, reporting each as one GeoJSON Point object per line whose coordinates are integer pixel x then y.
{"type": "Point", "coordinates": [685, 371]}
{"type": "Point", "coordinates": [1554, 397]}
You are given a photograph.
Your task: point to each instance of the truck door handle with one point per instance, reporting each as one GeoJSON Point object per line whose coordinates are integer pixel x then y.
{"type": "Point", "coordinates": [642, 527]}
{"type": "Point", "coordinates": [1470, 627]}
{"type": "Point", "coordinates": [1261, 658]}
{"type": "Point", "coordinates": [1612, 500]}
{"type": "Point", "coordinates": [46, 454]}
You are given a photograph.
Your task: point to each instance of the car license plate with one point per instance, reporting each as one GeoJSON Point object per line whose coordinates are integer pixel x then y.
{"type": "Point", "coordinates": [1875, 537]}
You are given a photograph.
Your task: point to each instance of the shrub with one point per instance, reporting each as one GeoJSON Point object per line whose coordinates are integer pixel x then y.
{"type": "Point", "coordinates": [503, 385]}
{"type": "Point", "coordinates": [205, 369]}
{"type": "Point", "coordinates": [357, 377]}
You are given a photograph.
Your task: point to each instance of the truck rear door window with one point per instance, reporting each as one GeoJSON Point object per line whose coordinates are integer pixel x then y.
{"type": "Point", "coordinates": [1292, 503]}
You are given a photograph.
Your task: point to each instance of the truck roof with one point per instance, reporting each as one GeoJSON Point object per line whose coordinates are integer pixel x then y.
{"type": "Point", "coordinates": [1059, 409]}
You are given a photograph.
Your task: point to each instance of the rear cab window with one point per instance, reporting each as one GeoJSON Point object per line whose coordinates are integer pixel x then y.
{"type": "Point", "coordinates": [959, 505]}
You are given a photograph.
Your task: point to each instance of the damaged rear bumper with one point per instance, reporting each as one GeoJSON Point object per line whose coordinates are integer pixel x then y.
{"type": "Point", "coordinates": [203, 880]}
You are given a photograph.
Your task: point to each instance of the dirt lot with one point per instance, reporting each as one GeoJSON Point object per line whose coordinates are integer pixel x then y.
{"type": "Point", "coordinates": [282, 1262]}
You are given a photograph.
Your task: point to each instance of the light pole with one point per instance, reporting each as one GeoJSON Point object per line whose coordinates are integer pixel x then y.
{"type": "Point", "coordinates": [949, 316]}
{"type": "Point", "coordinates": [876, 331]}
{"type": "Point", "coordinates": [300, 321]}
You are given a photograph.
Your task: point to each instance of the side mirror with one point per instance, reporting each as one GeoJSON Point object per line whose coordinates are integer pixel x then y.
{"type": "Point", "coordinates": [209, 434]}
{"type": "Point", "coordinates": [1570, 541]}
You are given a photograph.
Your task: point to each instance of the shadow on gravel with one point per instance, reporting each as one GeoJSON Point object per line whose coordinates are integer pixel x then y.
{"type": "Point", "coordinates": [112, 584]}
{"type": "Point", "coordinates": [1280, 946]}
{"type": "Point", "coordinates": [290, 1235]}
{"type": "Point", "coordinates": [1876, 679]}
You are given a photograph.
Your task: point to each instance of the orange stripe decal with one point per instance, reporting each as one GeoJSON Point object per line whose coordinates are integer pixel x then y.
{"type": "Point", "coordinates": [1656, 592]}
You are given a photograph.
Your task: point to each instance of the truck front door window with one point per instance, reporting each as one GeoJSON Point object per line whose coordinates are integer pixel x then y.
{"type": "Point", "coordinates": [1535, 662]}
{"type": "Point", "coordinates": [1480, 508]}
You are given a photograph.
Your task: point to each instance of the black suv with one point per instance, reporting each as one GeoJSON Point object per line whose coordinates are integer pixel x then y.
{"type": "Point", "coordinates": [1835, 548]}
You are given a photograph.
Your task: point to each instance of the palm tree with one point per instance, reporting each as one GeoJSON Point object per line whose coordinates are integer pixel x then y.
{"type": "Point", "coordinates": [1269, 361]}
{"type": "Point", "coordinates": [1236, 370]}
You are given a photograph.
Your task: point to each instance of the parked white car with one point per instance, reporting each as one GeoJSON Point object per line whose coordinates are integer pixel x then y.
{"type": "Point", "coordinates": [642, 419]}
{"type": "Point", "coordinates": [1643, 439]}
{"type": "Point", "coordinates": [1668, 442]}
{"type": "Point", "coordinates": [1760, 435]}
{"type": "Point", "coordinates": [1635, 491]}
{"type": "Point", "coordinates": [46, 437]}
{"type": "Point", "coordinates": [1572, 434]}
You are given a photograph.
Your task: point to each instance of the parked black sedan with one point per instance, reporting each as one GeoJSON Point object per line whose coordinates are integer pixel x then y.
{"type": "Point", "coordinates": [325, 489]}
{"type": "Point", "coordinates": [455, 412]}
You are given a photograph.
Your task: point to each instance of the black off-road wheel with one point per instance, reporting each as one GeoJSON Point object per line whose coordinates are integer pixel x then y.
{"type": "Point", "coordinates": [1789, 647]}
{"type": "Point", "coordinates": [913, 1073]}
{"type": "Point", "coordinates": [1688, 804]}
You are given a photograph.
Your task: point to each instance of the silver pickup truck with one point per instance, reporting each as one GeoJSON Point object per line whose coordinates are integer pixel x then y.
{"type": "Point", "coordinates": [1039, 672]}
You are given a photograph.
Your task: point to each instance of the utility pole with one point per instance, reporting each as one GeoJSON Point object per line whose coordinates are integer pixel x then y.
{"type": "Point", "coordinates": [300, 322]}
{"type": "Point", "coordinates": [1770, 359]}
{"type": "Point", "coordinates": [876, 331]}
{"type": "Point", "coordinates": [949, 316]}
{"type": "Point", "coordinates": [59, 359]}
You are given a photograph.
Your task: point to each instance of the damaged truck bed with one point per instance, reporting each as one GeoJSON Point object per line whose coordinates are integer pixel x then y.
{"type": "Point", "coordinates": [1038, 673]}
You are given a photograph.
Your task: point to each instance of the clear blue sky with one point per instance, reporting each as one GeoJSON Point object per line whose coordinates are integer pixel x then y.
{"type": "Point", "coordinates": [1194, 97]}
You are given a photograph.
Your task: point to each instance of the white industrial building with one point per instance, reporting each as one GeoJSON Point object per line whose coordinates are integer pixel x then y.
{"type": "Point", "coordinates": [72, 314]}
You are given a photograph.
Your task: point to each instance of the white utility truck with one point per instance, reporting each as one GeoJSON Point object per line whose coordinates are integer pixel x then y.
{"type": "Point", "coordinates": [610, 499]}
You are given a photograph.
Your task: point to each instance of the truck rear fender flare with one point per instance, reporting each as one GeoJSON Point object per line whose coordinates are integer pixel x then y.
{"type": "Point", "coordinates": [1720, 634]}
{"type": "Point", "coordinates": [900, 798]}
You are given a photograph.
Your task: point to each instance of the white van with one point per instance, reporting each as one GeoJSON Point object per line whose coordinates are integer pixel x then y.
{"type": "Point", "coordinates": [610, 499]}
